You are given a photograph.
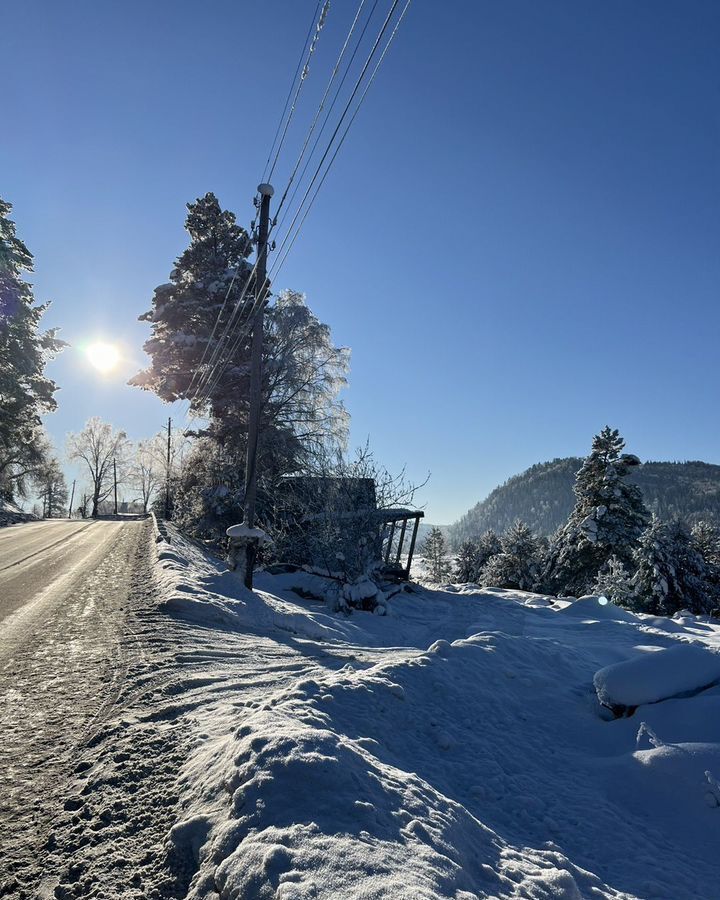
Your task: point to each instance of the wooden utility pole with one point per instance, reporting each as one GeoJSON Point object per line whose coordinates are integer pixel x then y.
{"type": "Point", "coordinates": [266, 191]}
{"type": "Point", "coordinates": [72, 497]}
{"type": "Point", "coordinates": [115, 479]}
{"type": "Point", "coordinates": [167, 472]}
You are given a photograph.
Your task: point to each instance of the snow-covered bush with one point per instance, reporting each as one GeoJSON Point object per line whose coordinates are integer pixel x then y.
{"type": "Point", "coordinates": [613, 582]}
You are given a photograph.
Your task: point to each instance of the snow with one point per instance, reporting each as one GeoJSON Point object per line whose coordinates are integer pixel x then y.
{"type": "Point", "coordinates": [10, 514]}
{"type": "Point", "coordinates": [453, 748]}
{"type": "Point", "coordinates": [243, 532]}
{"type": "Point", "coordinates": [657, 675]}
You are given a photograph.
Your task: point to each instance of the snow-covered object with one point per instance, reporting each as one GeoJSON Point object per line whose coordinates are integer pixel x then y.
{"type": "Point", "coordinates": [243, 532]}
{"type": "Point", "coordinates": [657, 675]}
{"type": "Point", "coordinates": [597, 606]}
{"type": "Point", "coordinates": [241, 537]}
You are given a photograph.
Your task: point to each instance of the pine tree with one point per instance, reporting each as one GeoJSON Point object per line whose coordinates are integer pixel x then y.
{"type": "Point", "coordinates": [516, 565]}
{"type": "Point", "coordinates": [707, 539]}
{"type": "Point", "coordinates": [434, 551]}
{"type": "Point", "coordinates": [473, 555]}
{"type": "Point", "coordinates": [488, 545]}
{"type": "Point", "coordinates": [25, 391]}
{"type": "Point", "coordinates": [613, 582]}
{"type": "Point", "coordinates": [607, 520]}
{"type": "Point", "coordinates": [208, 281]}
{"type": "Point", "coordinates": [303, 372]}
{"type": "Point", "coordinates": [467, 565]}
{"type": "Point", "coordinates": [671, 573]}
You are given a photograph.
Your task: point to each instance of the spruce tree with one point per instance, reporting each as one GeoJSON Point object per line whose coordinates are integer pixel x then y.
{"type": "Point", "coordinates": [473, 555]}
{"type": "Point", "coordinates": [608, 518]}
{"type": "Point", "coordinates": [467, 565]}
{"type": "Point", "coordinates": [207, 281]}
{"type": "Point", "coordinates": [707, 539]}
{"type": "Point", "coordinates": [516, 565]}
{"type": "Point", "coordinates": [434, 551]}
{"type": "Point", "coordinates": [671, 573]}
{"type": "Point", "coordinates": [26, 393]}
{"type": "Point", "coordinates": [488, 545]}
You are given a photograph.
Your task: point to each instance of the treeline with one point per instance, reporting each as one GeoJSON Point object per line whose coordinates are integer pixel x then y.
{"type": "Point", "coordinates": [611, 544]}
{"type": "Point", "coordinates": [543, 498]}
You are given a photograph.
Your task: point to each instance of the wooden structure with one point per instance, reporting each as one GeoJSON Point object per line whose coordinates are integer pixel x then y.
{"type": "Point", "coordinates": [342, 512]}
{"type": "Point", "coordinates": [399, 524]}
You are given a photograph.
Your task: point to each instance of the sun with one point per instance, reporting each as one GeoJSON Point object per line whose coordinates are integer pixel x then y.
{"type": "Point", "coordinates": [103, 357]}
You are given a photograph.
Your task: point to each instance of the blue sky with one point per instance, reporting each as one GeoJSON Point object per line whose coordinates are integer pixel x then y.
{"type": "Point", "coordinates": [519, 240]}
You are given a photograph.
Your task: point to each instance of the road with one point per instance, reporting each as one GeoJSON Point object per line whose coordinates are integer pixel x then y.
{"type": "Point", "coordinates": [64, 593]}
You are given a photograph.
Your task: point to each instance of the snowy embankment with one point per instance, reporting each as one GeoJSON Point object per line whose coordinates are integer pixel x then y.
{"type": "Point", "coordinates": [10, 514]}
{"type": "Point", "coordinates": [453, 748]}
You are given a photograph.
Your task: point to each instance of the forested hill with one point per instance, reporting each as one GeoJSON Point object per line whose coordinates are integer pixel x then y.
{"type": "Point", "coordinates": [542, 496]}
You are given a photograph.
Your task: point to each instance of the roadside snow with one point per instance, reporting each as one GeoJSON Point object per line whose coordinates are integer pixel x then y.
{"type": "Point", "coordinates": [453, 748]}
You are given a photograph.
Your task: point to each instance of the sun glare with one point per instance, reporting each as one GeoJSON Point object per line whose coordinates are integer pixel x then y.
{"type": "Point", "coordinates": [104, 357]}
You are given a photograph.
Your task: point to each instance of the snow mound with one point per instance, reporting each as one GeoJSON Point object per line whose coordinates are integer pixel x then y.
{"type": "Point", "coordinates": [657, 675]}
{"type": "Point", "coordinates": [595, 606]}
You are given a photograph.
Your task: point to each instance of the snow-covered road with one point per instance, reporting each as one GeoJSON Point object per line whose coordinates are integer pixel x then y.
{"type": "Point", "coordinates": [64, 588]}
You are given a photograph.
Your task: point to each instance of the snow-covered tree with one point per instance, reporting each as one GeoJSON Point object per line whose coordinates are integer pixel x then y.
{"type": "Point", "coordinates": [208, 281]}
{"type": "Point", "coordinates": [608, 519]}
{"type": "Point", "coordinates": [707, 539]}
{"type": "Point", "coordinates": [671, 573]}
{"type": "Point", "coordinates": [191, 358]}
{"type": "Point", "coordinates": [473, 555]}
{"type": "Point", "coordinates": [613, 582]}
{"type": "Point", "coordinates": [466, 564]}
{"type": "Point", "coordinates": [146, 472]}
{"type": "Point", "coordinates": [516, 565]}
{"type": "Point", "coordinates": [435, 552]}
{"type": "Point", "coordinates": [51, 488]}
{"type": "Point", "coordinates": [26, 393]}
{"type": "Point", "coordinates": [99, 446]}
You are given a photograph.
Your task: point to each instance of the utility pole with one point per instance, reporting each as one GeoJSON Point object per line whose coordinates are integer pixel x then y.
{"type": "Point", "coordinates": [167, 473]}
{"type": "Point", "coordinates": [115, 479]}
{"type": "Point", "coordinates": [72, 497]}
{"type": "Point", "coordinates": [266, 191]}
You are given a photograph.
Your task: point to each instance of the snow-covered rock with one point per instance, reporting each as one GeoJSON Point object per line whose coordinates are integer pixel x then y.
{"type": "Point", "coordinates": [657, 675]}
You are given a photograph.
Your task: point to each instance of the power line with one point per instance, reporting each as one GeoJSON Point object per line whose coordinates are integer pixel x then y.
{"type": "Point", "coordinates": [275, 269]}
{"type": "Point", "coordinates": [215, 325]}
{"type": "Point", "coordinates": [214, 377]}
{"type": "Point", "coordinates": [344, 113]}
{"type": "Point", "coordinates": [305, 71]}
{"type": "Point", "coordinates": [324, 98]}
{"type": "Point", "coordinates": [290, 90]}
{"type": "Point", "coordinates": [301, 82]}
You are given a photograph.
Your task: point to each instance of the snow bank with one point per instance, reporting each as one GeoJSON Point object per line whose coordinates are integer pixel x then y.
{"type": "Point", "coordinates": [10, 514]}
{"type": "Point", "coordinates": [657, 675]}
{"type": "Point", "coordinates": [446, 750]}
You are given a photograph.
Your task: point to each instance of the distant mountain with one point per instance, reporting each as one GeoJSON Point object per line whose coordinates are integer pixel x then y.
{"type": "Point", "coordinates": [542, 496]}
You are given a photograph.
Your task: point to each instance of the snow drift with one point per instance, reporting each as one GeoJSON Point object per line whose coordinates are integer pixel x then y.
{"type": "Point", "coordinates": [452, 748]}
